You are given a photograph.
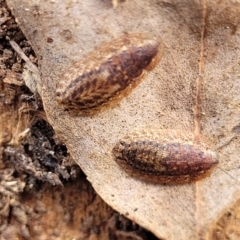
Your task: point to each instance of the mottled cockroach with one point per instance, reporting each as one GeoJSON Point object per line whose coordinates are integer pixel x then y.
{"type": "Point", "coordinates": [166, 156]}
{"type": "Point", "coordinates": [109, 73]}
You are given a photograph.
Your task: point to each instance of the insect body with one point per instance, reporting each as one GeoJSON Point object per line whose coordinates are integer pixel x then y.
{"type": "Point", "coordinates": [165, 158]}
{"type": "Point", "coordinates": [108, 73]}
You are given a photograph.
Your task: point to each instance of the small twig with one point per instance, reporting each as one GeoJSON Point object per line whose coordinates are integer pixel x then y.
{"type": "Point", "coordinates": [30, 65]}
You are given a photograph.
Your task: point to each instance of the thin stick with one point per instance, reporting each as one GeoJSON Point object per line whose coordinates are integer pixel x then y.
{"type": "Point", "coordinates": [31, 66]}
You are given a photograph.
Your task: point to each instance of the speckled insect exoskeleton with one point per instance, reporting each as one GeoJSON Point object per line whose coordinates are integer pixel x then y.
{"type": "Point", "coordinates": [165, 156]}
{"type": "Point", "coordinates": [109, 73]}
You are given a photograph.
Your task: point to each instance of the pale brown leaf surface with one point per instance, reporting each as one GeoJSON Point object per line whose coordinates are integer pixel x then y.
{"type": "Point", "coordinates": [201, 59]}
